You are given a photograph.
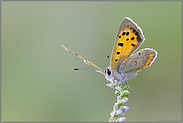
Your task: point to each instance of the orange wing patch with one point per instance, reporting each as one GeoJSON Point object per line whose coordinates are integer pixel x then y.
{"type": "Point", "coordinates": [149, 61]}
{"type": "Point", "coordinates": [126, 43]}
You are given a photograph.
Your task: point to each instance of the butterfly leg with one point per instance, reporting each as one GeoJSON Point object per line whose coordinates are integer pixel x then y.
{"type": "Point", "coordinates": [123, 83]}
{"type": "Point", "coordinates": [126, 83]}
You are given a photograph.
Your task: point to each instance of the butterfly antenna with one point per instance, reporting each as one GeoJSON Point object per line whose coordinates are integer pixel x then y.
{"type": "Point", "coordinates": [85, 60]}
{"type": "Point", "coordinates": [89, 69]}
{"type": "Point", "coordinates": [85, 69]}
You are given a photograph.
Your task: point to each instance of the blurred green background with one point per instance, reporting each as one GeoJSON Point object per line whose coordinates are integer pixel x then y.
{"type": "Point", "coordinates": [38, 82]}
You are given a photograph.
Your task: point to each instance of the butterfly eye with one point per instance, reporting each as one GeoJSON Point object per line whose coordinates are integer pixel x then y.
{"type": "Point", "coordinates": [108, 72]}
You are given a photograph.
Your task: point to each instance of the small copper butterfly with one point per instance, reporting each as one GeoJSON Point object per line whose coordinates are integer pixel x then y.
{"type": "Point", "coordinates": [123, 64]}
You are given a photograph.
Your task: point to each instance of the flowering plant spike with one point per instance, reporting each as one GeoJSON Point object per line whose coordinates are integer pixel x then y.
{"type": "Point", "coordinates": [117, 115]}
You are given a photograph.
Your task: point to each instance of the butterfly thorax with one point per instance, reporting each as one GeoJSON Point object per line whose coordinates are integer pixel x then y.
{"type": "Point", "coordinates": [114, 76]}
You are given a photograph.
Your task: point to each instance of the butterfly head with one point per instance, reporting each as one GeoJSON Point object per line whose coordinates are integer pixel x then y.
{"type": "Point", "coordinates": [113, 76]}
{"type": "Point", "coordinates": [108, 72]}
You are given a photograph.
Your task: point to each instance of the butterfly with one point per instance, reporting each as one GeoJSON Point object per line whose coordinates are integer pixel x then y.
{"type": "Point", "coordinates": [124, 64]}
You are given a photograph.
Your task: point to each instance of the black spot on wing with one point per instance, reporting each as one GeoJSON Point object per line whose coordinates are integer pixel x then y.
{"type": "Point", "coordinates": [117, 52]}
{"type": "Point", "coordinates": [136, 33]}
{"type": "Point", "coordinates": [133, 45]}
{"type": "Point", "coordinates": [120, 44]}
{"type": "Point", "coordinates": [123, 33]}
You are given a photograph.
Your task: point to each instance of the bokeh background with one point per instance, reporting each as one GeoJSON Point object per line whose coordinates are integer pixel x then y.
{"type": "Point", "coordinates": [38, 82]}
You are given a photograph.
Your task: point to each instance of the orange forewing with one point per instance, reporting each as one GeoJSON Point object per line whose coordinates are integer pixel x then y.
{"type": "Point", "coordinates": [128, 39]}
